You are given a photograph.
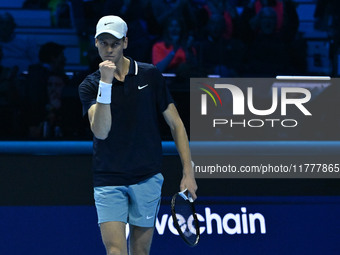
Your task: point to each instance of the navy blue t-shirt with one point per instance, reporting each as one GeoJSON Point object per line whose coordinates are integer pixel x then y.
{"type": "Point", "coordinates": [133, 150]}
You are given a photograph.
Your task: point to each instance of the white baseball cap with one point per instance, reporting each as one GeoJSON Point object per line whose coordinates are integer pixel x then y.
{"type": "Point", "coordinates": [113, 25]}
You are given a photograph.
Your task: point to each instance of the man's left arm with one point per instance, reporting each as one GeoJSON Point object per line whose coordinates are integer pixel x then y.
{"type": "Point", "coordinates": [180, 137]}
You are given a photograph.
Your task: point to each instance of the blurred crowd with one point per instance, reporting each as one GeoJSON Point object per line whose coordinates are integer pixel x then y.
{"type": "Point", "coordinates": [200, 37]}
{"type": "Point", "coordinates": [187, 38]}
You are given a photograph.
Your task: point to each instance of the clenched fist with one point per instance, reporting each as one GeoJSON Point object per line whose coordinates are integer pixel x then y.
{"type": "Point", "coordinates": [107, 70]}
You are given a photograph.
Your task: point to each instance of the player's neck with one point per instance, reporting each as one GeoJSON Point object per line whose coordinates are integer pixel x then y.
{"type": "Point", "coordinates": [122, 70]}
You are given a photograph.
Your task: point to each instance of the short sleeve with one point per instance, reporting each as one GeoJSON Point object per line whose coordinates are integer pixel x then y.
{"type": "Point", "coordinates": [88, 90]}
{"type": "Point", "coordinates": [164, 97]}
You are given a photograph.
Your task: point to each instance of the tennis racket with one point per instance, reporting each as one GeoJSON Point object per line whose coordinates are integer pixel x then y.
{"type": "Point", "coordinates": [185, 218]}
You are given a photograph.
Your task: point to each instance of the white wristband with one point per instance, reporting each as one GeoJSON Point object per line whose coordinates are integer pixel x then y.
{"type": "Point", "coordinates": [104, 93]}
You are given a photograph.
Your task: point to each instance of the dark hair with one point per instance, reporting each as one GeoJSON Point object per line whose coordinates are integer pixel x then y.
{"type": "Point", "coordinates": [49, 51]}
{"type": "Point", "coordinates": [8, 26]}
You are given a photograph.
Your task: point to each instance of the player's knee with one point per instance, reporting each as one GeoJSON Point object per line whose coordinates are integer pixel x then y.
{"type": "Point", "coordinates": [112, 250]}
{"type": "Point", "coordinates": [140, 250]}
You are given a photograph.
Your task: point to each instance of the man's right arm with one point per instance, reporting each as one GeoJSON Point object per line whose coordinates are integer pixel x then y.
{"type": "Point", "coordinates": [100, 120]}
{"type": "Point", "coordinates": [100, 113]}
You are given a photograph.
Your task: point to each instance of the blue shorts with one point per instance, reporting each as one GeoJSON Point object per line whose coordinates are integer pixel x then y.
{"type": "Point", "coordinates": [136, 204]}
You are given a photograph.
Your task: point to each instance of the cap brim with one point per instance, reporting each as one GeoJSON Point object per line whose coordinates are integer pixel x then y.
{"type": "Point", "coordinates": [114, 33]}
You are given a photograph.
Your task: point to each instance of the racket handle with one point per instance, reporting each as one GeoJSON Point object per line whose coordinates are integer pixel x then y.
{"type": "Point", "coordinates": [190, 198]}
{"type": "Point", "coordinates": [185, 196]}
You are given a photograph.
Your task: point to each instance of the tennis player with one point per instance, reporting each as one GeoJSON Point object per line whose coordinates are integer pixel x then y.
{"type": "Point", "coordinates": [123, 100]}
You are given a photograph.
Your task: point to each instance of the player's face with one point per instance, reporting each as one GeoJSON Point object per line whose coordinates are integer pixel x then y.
{"type": "Point", "coordinates": [110, 48]}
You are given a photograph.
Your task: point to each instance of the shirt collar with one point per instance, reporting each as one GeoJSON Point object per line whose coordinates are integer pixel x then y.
{"type": "Point", "coordinates": [133, 69]}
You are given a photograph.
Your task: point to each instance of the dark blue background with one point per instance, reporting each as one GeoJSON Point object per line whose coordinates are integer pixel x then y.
{"type": "Point", "coordinates": [46, 202]}
{"type": "Point", "coordinates": [294, 225]}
